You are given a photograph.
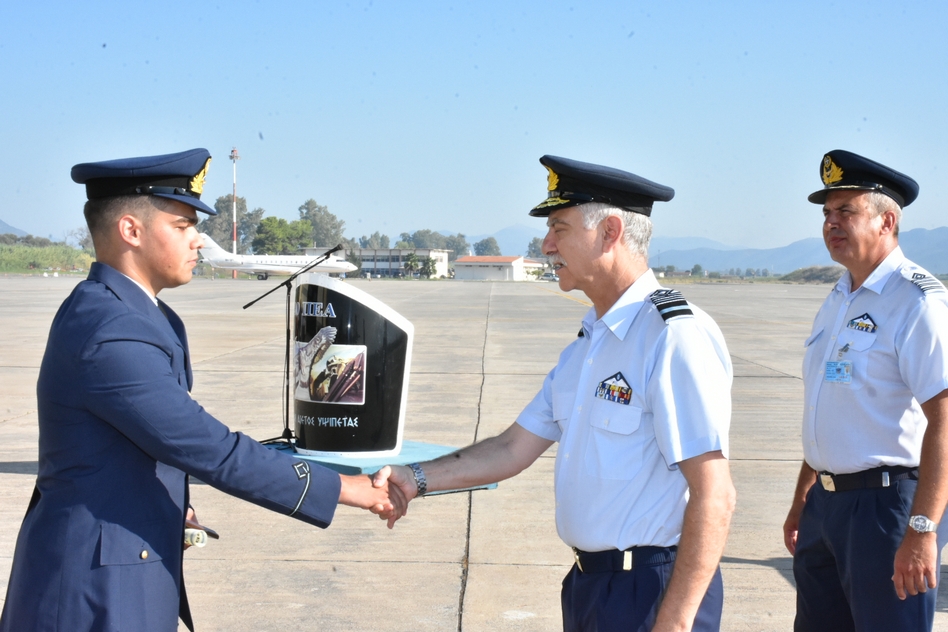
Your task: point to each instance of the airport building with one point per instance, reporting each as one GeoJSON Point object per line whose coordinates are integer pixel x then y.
{"type": "Point", "coordinates": [473, 268]}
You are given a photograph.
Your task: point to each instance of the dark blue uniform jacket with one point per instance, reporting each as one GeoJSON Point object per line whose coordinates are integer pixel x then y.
{"type": "Point", "coordinates": [102, 542]}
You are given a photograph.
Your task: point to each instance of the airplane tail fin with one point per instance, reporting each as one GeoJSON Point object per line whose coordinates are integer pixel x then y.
{"type": "Point", "coordinates": [210, 246]}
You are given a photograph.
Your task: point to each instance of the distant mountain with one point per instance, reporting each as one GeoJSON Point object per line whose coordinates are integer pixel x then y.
{"type": "Point", "coordinates": [6, 229]}
{"type": "Point", "coordinates": [927, 248]}
{"type": "Point", "coordinates": [513, 240]}
{"type": "Point", "coordinates": [687, 243]}
{"type": "Point", "coordinates": [799, 254]}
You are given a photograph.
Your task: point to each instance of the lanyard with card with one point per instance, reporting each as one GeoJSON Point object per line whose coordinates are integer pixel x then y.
{"type": "Point", "coordinates": [840, 371]}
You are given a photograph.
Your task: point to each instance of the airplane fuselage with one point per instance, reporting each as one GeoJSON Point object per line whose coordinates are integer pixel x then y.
{"type": "Point", "coordinates": [266, 265]}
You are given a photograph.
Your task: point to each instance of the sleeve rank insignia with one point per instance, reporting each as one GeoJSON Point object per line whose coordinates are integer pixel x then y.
{"type": "Point", "coordinates": [670, 304]}
{"type": "Point", "coordinates": [926, 283]}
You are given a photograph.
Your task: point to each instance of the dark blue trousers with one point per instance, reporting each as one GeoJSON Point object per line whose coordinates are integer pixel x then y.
{"type": "Point", "coordinates": [844, 562]}
{"type": "Point", "coordinates": [628, 601]}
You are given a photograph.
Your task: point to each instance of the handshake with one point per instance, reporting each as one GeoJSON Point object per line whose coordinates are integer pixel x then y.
{"type": "Point", "coordinates": [385, 493]}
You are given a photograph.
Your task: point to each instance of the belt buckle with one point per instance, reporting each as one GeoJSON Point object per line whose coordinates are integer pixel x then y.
{"type": "Point", "coordinates": [579, 564]}
{"type": "Point", "coordinates": [827, 481]}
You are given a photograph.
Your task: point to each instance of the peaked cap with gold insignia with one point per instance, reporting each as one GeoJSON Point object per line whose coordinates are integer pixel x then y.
{"type": "Point", "coordinates": [842, 169]}
{"type": "Point", "coordinates": [178, 177]}
{"type": "Point", "coordinates": [571, 182]}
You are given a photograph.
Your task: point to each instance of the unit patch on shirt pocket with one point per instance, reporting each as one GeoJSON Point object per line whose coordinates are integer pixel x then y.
{"type": "Point", "coordinates": [863, 323]}
{"type": "Point", "coordinates": [615, 389]}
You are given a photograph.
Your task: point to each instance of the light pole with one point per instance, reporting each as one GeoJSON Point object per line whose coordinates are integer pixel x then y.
{"type": "Point", "coordinates": [235, 157]}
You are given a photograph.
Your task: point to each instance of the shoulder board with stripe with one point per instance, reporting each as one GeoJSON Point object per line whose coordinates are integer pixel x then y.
{"type": "Point", "coordinates": [670, 304]}
{"type": "Point", "coordinates": [925, 282]}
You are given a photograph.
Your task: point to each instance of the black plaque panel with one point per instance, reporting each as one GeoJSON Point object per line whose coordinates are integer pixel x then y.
{"type": "Point", "coordinates": [350, 370]}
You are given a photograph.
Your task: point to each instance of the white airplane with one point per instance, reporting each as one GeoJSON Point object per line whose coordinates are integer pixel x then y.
{"type": "Point", "coordinates": [265, 265]}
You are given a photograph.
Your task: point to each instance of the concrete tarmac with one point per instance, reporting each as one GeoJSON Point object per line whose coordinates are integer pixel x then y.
{"type": "Point", "coordinates": [471, 562]}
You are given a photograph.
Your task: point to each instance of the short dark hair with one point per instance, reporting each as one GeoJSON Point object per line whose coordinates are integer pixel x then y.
{"type": "Point", "coordinates": [102, 213]}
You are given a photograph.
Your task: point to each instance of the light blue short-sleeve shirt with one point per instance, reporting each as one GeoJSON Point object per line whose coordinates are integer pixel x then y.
{"type": "Point", "coordinates": [627, 401]}
{"type": "Point", "coordinates": [873, 355]}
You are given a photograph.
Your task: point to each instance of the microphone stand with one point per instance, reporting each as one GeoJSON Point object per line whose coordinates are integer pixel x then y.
{"type": "Point", "coordinates": [287, 435]}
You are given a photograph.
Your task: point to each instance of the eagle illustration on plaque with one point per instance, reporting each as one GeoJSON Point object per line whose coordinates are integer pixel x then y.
{"type": "Point", "coordinates": [351, 360]}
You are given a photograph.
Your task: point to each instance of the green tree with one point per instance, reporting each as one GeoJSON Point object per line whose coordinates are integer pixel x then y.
{"type": "Point", "coordinates": [247, 230]}
{"type": "Point", "coordinates": [327, 228]}
{"type": "Point", "coordinates": [535, 248]}
{"type": "Point", "coordinates": [456, 244]}
{"type": "Point", "coordinates": [82, 238]}
{"type": "Point", "coordinates": [428, 267]}
{"type": "Point", "coordinates": [410, 263]}
{"type": "Point", "coordinates": [220, 227]}
{"type": "Point", "coordinates": [375, 240]}
{"type": "Point", "coordinates": [697, 270]}
{"type": "Point", "coordinates": [487, 248]}
{"type": "Point", "coordinates": [276, 236]}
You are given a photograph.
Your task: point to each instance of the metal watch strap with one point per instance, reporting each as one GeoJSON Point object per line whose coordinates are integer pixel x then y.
{"type": "Point", "coordinates": [922, 524]}
{"type": "Point", "coordinates": [420, 481]}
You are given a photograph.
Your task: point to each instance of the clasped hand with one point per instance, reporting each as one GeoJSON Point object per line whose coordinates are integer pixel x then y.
{"type": "Point", "coordinates": [383, 494]}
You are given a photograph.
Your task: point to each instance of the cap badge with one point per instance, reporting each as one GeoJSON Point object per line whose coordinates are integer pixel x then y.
{"type": "Point", "coordinates": [197, 182]}
{"type": "Point", "coordinates": [553, 180]}
{"type": "Point", "coordinates": [831, 173]}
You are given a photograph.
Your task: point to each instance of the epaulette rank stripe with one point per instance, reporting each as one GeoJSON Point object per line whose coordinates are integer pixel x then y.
{"type": "Point", "coordinates": [670, 304]}
{"type": "Point", "coordinates": [927, 284]}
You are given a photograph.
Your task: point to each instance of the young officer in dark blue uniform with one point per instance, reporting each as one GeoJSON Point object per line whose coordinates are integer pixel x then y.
{"type": "Point", "coordinates": [640, 405]}
{"type": "Point", "coordinates": [102, 542]}
{"type": "Point", "coordinates": [863, 524]}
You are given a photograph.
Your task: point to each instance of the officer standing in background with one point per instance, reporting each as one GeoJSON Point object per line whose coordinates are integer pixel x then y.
{"type": "Point", "coordinates": [874, 481]}
{"type": "Point", "coordinates": [640, 404]}
{"type": "Point", "coordinates": [102, 542]}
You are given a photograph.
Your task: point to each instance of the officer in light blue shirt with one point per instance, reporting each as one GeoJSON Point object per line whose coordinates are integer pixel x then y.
{"type": "Point", "coordinates": [640, 404]}
{"type": "Point", "coordinates": [863, 524]}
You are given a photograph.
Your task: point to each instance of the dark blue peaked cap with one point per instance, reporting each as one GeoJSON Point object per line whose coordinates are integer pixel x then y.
{"type": "Point", "coordinates": [842, 169]}
{"type": "Point", "coordinates": [177, 177]}
{"type": "Point", "coordinates": [572, 182]}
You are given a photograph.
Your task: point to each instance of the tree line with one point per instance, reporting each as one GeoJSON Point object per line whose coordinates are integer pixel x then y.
{"type": "Point", "coordinates": [317, 226]}
{"type": "Point", "coordinates": [39, 253]}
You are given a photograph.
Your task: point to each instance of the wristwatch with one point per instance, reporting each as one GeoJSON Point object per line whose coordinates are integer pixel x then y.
{"type": "Point", "coordinates": [420, 481]}
{"type": "Point", "coordinates": [922, 524]}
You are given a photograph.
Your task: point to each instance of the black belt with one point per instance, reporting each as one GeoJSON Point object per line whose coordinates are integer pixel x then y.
{"type": "Point", "coordinates": [867, 479]}
{"type": "Point", "coordinates": [612, 561]}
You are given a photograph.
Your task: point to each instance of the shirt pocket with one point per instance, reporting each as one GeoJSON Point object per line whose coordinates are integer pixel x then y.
{"type": "Point", "coordinates": [860, 344]}
{"type": "Point", "coordinates": [614, 449]}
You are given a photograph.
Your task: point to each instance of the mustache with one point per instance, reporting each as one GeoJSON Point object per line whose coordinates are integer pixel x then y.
{"type": "Point", "coordinates": [554, 260]}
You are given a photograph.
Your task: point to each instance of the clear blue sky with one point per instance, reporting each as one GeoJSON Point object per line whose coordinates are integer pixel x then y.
{"type": "Point", "coordinates": [407, 115]}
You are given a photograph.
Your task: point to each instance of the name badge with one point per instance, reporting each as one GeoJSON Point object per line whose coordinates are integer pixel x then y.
{"type": "Point", "coordinates": [839, 372]}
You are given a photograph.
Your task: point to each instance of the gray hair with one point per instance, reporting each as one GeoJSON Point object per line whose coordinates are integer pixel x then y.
{"type": "Point", "coordinates": [880, 203]}
{"type": "Point", "coordinates": [636, 228]}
